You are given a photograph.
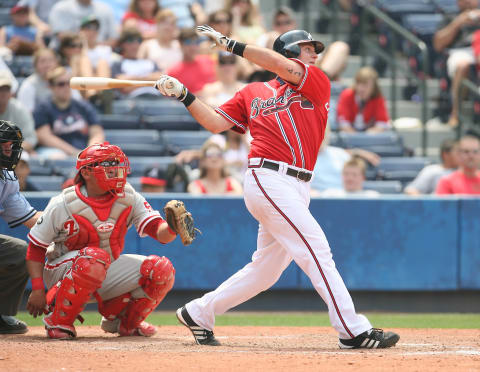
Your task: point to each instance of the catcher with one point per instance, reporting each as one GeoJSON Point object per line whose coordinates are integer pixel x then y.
{"type": "Point", "coordinates": [82, 234]}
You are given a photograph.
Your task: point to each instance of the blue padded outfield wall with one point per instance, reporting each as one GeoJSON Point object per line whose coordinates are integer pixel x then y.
{"type": "Point", "coordinates": [390, 243]}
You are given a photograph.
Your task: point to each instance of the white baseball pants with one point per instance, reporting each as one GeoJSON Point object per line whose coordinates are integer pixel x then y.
{"type": "Point", "coordinates": [287, 230]}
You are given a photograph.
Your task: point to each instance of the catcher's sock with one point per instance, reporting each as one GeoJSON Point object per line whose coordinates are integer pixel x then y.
{"type": "Point", "coordinates": [202, 336]}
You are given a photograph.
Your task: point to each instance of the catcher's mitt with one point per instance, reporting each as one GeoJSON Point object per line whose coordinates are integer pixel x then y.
{"type": "Point", "coordinates": [180, 220]}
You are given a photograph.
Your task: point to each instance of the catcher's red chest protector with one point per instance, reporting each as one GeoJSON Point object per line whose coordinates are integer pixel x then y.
{"type": "Point", "coordinates": [99, 224]}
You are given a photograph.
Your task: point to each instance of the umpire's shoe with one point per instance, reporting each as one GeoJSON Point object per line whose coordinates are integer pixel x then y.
{"type": "Point", "coordinates": [372, 339]}
{"type": "Point", "coordinates": [202, 336]}
{"type": "Point", "coordinates": [11, 325]}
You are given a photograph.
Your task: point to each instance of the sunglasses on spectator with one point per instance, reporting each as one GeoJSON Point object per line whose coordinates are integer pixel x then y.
{"type": "Point", "coordinates": [191, 41]}
{"type": "Point", "coordinates": [132, 39]}
{"type": "Point", "coordinates": [74, 45]}
{"type": "Point", "coordinates": [283, 23]}
{"type": "Point", "coordinates": [90, 26]}
{"type": "Point", "coordinates": [60, 84]}
{"type": "Point", "coordinates": [466, 151]}
{"type": "Point", "coordinates": [219, 21]}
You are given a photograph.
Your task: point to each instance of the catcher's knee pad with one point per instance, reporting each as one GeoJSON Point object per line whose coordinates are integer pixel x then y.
{"type": "Point", "coordinates": [72, 293]}
{"type": "Point", "coordinates": [158, 276]}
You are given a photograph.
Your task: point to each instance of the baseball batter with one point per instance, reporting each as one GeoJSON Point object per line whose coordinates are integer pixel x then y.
{"type": "Point", "coordinates": [286, 118]}
{"type": "Point", "coordinates": [82, 234]}
{"type": "Point", "coordinates": [15, 210]}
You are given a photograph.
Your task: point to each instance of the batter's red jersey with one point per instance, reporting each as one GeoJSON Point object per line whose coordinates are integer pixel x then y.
{"type": "Point", "coordinates": [287, 122]}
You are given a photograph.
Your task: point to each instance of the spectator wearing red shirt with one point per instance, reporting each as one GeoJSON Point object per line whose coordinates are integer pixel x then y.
{"type": "Point", "coordinates": [194, 70]}
{"type": "Point", "coordinates": [362, 107]}
{"type": "Point", "coordinates": [466, 180]}
{"type": "Point", "coordinates": [141, 15]}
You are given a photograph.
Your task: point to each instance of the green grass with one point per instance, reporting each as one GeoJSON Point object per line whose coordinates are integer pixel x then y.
{"type": "Point", "coordinates": [379, 320]}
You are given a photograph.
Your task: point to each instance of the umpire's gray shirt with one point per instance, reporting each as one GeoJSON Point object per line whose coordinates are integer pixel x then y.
{"type": "Point", "coordinates": [14, 208]}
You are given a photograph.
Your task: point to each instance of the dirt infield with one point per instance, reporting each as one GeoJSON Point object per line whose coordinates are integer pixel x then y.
{"type": "Point", "coordinates": [243, 348]}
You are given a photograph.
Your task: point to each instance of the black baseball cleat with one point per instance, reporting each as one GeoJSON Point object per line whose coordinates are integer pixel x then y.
{"type": "Point", "coordinates": [374, 338]}
{"type": "Point", "coordinates": [202, 336]}
{"type": "Point", "coordinates": [10, 325]}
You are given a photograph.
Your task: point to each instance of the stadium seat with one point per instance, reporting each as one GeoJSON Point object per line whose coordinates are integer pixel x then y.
{"type": "Point", "coordinates": [39, 167]}
{"type": "Point", "coordinates": [384, 187]}
{"type": "Point", "coordinates": [139, 149]}
{"type": "Point", "coordinates": [335, 140]}
{"type": "Point", "coordinates": [21, 66]}
{"type": "Point", "coordinates": [124, 106]}
{"type": "Point", "coordinates": [5, 16]}
{"type": "Point", "coordinates": [120, 121]}
{"type": "Point", "coordinates": [160, 107]}
{"type": "Point", "coordinates": [403, 169]}
{"type": "Point", "coordinates": [143, 137]}
{"type": "Point", "coordinates": [177, 140]}
{"type": "Point", "coordinates": [138, 165]}
{"type": "Point", "coordinates": [135, 182]}
{"type": "Point", "coordinates": [47, 183]}
{"type": "Point", "coordinates": [422, 25]}
{"type": "Point", "coordinates": [446, 6]}
{"type": "Point", "coordinates": [170, 122]}
{"type": "Point", "coordinates": [396, 8]}
{"type": "Point", "coordinates": [384, 144]}
{"type": "Point", "coordinates": [64, 167]}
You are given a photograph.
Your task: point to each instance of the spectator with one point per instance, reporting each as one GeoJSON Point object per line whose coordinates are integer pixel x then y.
{"type": "Point", "coordinates": [100, 56]}
{"type": "Point", "coordinates": [213, 176]}
{"type": "Point", "coordinates": [20, 37]}
{"type": "Point", "coordinates": [12, 110]}
{"type": "Point", "coordinates": [353, 177]}
{"type": "Point", "coordinates": [236, 154]}
{"type": "Point", "coordinates": [154, 180]}
{"type": "Point", "coordinates": [227, 84]}
{"type": "Point", "coordinates": [35, 88]}
{"type": "Point", "coordinates": [73, 55]}
{"type": "Point", "coordinates": [455, 35]}
{"type": "Point", "coordinates": [426, 181]}
{"type": "Point", "coordinates": [466, 180]}
{"type": "Point", "coordinates": [132, 68]}
{"type": "Point", "coordinates": [67, 15]}
{"type": "Point", "coordinates": [330, 163]}
{"type": "Point", "coordinates": [283, 21]}
{"type": "Point", "coordinates": [141, 15]}
{"type": "Point", "coordinates": [164, 49]}
{"type": "Point", "coordinates": [65, 125]}
{"type": "Point", "coordinates": [247, 24]}
{"type": "Point", "coordinates": [362, 107]}
{"type": "Point", "coordinates": [22, 171]}
{"type": "Point", "coordinates": [38, 14]}
{"type": "Point", "coordinates": [188, 12]}
{"type": "Point", "coordinates": [4, 68]}
{"type": "Point", "coordinates": [195, 70]}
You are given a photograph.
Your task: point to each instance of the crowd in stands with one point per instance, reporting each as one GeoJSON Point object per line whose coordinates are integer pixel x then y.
{"type": "Point", "coordinates": [46, 42]}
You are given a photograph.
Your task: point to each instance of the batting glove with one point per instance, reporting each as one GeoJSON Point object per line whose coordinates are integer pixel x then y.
{"type": "Point", "coordinates": [169, 86]}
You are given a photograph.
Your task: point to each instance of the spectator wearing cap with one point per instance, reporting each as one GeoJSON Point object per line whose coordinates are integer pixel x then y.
{"type": "Point", "coordinates": [65, 125]}
{"type": "Point", "coordinates": [67, 16]}
{"type": "Point", "coordinates": [141, 15]}
{"type": "Point", "coordinates": [20, 37]}
{"type": "Point", "coordinates": [227, 84]}
{"type": "Point", "coordinates": [133, 68]}
{"type": "Point", "coordinates": [100, 56]}
{"type": "Point", "coordinates": [154, 180]}
{"type": "Point", "coordinates": [164, 49]}
{"type": "Point", "coordinates": [194, 70]}
{"type": "Point", "coordinates": [22, 171]}
{"type": "Point", "coordinates": [35, 89]}
{"type": "Point", "coordinates": [13, 110]}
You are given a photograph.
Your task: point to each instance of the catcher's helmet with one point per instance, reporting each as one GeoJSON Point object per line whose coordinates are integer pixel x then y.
{"type": "Point", "coordinates": [109, 165]}
{"type": "Point", "coordinates": [287, 44]}
{"type": "Point", "coordinates": [10, 155]}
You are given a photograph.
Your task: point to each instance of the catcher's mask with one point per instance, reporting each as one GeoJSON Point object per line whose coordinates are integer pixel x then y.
{"type": "Point", "coordinates": [288, 43]}
{"type": "Point", "coordinates": [109, 165]}
{"type": "Point", "coordinates": [11, 139]}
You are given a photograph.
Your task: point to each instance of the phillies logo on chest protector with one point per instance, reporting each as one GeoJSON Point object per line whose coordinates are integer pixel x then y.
{"type": "Point", "coordinates": [273, 105]}
{"type": "Point", "coordinates": [105, 227]}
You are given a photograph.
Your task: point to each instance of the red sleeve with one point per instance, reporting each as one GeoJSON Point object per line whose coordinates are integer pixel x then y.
{"type": "Point", "coordinates": [152, 228]}
{"type": "Point", "coordinates": [476, 43]}
{"type": "Point", "coordinates": [381, 113]}
{"type": "Point", "coordinates": [234, 110]}
{"type": "Point", "coordinates": [35, 253]}
{"type": "Point", "coordinates": [443, 186]}
{"type": "Point", "coordinates": [314, 85]}
{"type": "Point", "coordinates": [346, 106]}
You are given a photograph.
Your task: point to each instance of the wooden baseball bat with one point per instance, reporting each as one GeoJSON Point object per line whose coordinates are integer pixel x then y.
{"type": "Point", "coordinates": [101, 83]}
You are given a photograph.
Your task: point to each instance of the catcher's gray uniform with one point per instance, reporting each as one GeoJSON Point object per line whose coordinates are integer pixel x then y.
{"type": "Point", "coordinates": [15, 210]}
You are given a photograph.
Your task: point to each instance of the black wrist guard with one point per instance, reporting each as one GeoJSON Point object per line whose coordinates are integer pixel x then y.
{"type": "Point", "coordinates": [186, 97]}
{"type": "Point", "coordinates": [236, 47]}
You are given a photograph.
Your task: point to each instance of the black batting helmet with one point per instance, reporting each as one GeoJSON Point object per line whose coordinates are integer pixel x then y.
{"type": "Point", "coordinates": [9, 132]}
{"type": "Point", "coordinates": [287, 44]}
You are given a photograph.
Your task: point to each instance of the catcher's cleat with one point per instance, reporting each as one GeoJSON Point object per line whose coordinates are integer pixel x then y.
{"type": "Point", "coordinates": [59, 331]}
{"type": "Point", "coordinates": [202, 336]}
{"type": "Point", "coordinates": [144, 329]}
{"type": "Point", "coordinates": [10, 325]}
{"type": "Point", "coordinates": [372, 339]}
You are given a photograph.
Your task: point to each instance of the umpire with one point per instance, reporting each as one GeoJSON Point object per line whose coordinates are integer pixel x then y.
{"type": "Point", "coordinates": [15, 210]}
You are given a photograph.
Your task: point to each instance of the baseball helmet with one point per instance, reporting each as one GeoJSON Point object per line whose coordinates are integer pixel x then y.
{"type": "Point", "coordinates": [109, 165]}
{"type": "Point", "coordinates": [10, 155]}
{"type": "Point", "coordinates": [288, 43]}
